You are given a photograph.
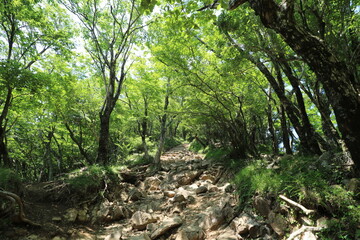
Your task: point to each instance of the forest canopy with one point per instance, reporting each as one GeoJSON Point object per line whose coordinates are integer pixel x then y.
{"type": "Point", "coordinates": [85, 82]}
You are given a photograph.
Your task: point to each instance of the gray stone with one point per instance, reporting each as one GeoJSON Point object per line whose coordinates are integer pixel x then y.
{"type": "Point", "coordinates": [191, 233]}
{"type": "Point", "coordinates": [71, 215]}
{"type": "Point", "coordinates": [278, 223]}
{"type": "Point", "coordinates": [143, 236]}
{"type": "Point", "coordinates": [201, 189]}
{"type": "Point", "coordinates": [166, 225]}
{"type": "Point", "coordinates": [179, 198]}
{"type": "Point", "coordinates": [113, 236]}
{"type": "Point", "coordinates": [135, 195]}
{"type": "Point", "coordinates": [262, 206]}
{"type": "Point", "coordinates": [169, 194]}
{"type": "Point", "coordinates": [140, 220]}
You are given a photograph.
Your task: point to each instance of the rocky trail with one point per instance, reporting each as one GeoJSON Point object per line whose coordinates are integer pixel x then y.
{"type": "Point", "coordinates": [189, 199]}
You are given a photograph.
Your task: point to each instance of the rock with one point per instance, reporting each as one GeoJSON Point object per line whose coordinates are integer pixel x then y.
{"type": "Point", "coordinates": [58, 238]}
{"type": "Point", "coordinates": [140, 220]}
{"type": "Point", "coordinates": [102, 214]}
{"type": "Point", "coordinates": [228, 188]}
{"type": "Point", "coordinates": [227, 235]}
{"type": "Point", "coordinates": [120, 212]}
{"type": "Point", "coordinates": [278, 223]}
{"type": "Point", "coordinates": [33, 237]}
{"type": "Point", "coordinates": [189, 177]}
{"type": "Point", "coordinates": [71, 215]}
{"type": "Point", "coordinates": [353, 185]}
{"type": "Point", "coordinates": [166, 225]}
{"type": "Point", "coordinates": [113, 236]}
{"type": "Point", "coordinates": [151, 184]}
{"type": "Point", "coordinates": [262, 206]}
{"type": "Point", "coordinates": [201, 189]}
{"type": "Point", "coordinates": [179, 198]}
{"type": "Point", "coordinates": [169, 194]}
{"type": "Point", "coordinates": [129, 177]}
{"type": "Point", "coordinates": [214, 219]}
{"type": "Point", "coordinates": [322, 222]}
{"type": "Point", "coordinates": [135, 195]}
{"type": "Point", "coordinates": [308, 236]}
{"type": "Point", "coordinates": [191, 200]}
{"type": "Point", "coordinates": [143, 236]}
{"type": "Point", "coordinates": [191, 233]}
{"type": "Point", "coordinates": [245, 224]}
{"type": "Point", "coordinates": [213, 189]}
{"type": "Point", "coordinates": [83, 215]}
{"type": "Point", "coordinates": [56, 219]}
{"type": "Point", "coordinates": [206, 177]}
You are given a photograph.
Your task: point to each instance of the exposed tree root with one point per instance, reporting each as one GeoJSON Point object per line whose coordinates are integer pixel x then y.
{"type": "Point", "coordinates": [293, 203]}
{"type": "Point", "coordinates": [302, 230]}
{"type": "Point", "coordinates": [20, 218]}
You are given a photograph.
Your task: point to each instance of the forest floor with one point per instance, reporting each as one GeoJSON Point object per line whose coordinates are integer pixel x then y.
{"type": "Point", "coordinates": [190, 198]}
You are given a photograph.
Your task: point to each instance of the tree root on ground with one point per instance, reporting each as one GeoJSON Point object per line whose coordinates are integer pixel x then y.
{"type": "Point", "coordinates": [20, 217]}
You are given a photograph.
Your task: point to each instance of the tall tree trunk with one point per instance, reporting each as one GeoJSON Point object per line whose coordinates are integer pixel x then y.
{"type": "Point", "coordinates": [104, 139]}
{"type": "Point", "coordinates": [285, 131]}
{"type": "Point", "coordinates": [291, 110]}
{"type": "Point", "coordinates": [306, 125]}
{"type": "Point", "coordinates": [274, 144]}
{"type": "Point", "coordinates": [334, 74]}
{"type": "Point", "coordinates": [4, 154]}
{"type": "Point", "coordinates": [48, 159]}
{"type": "Point", "coordinates": [144, 130]}
{"type": "Point", "coordinates": [79, 144]}
{"type": "Point", "coordinates": [163, 120]}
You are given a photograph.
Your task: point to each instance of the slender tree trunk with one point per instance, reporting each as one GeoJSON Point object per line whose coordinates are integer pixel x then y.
{"type": "Point", "coordinates": [4, 154]}
{"type": "Point", "coordinates": [48, 158]}
{"type": "Point", "coordinates": [104, 139]}
{"type": "Point", "coordinates": [144, 130]}
{"type": "Point", "coordinates": [274, 144]}
{"type": "Point", "coordinates": [293, 113]}
{"type": "Point", "coordinates": [285, 131]}
{"type": "Point", "coordinates": [79, 144]}
{"type": "Point", "coordinates": [163, 120]}
{"type": "Point", "coordinates": [308, 128]}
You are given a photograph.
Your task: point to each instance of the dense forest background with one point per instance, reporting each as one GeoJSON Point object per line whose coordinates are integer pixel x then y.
{"type": "Point", "coordinates": [86, 82]}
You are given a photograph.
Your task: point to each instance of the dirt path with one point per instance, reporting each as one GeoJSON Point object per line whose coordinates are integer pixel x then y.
{"type": "Point", "coordinates": [187, 200]}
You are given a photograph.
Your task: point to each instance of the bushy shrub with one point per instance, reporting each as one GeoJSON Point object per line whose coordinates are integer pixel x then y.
{"type": "Point", "coordinates": [195, 146]}
{"type": "Point", "coordinates": [91, 179]}
{"type": "Point", "coordinates": [10, 181]}
{"type": "Point", "coordinates": [298, 178]}
{"type": "Point", "coordinates": [171, 143]}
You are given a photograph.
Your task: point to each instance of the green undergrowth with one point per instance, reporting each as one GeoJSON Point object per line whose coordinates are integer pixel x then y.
{"type": "Point", "coordinates": [300, 179]}
{"type": "Point", "coordinates": [10, 181]}
{"type": "Point", "coordinates": [195, 146]}
{"type": "Point", "coordinates": [92, 178]}
{"type": "Point", "coordinates": [171, 143]}
{"type": "Point", "coordinates": [137, 158]}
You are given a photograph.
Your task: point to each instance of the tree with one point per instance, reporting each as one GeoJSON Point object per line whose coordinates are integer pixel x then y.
{"type": "Point", "coordinates": [338, 79]}
{"type": "Point", "coordinates": [110, 31]}
{"type": "Point", "coordinates": [28, 30]}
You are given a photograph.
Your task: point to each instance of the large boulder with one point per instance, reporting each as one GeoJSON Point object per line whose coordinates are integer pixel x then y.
{"type": "Point", "coordinates": [140, 220]}
{"type": "Point", "coordinates": [262, 206]}
{"type": "Point", "coordinates": [278, 223]}
{"type": "Point", "coordinates": [189, 177]}
{"type": "Point", "coordinates": [71, 215]}
{"type": "Point", "coordinates": [246, 225]}
{"type": "Point", "coordinates": [192, 232]}
{"type": "Point", "coordinates": [217, 215]}
{"type": "Point", "coordinates": [167, 224]}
